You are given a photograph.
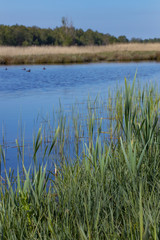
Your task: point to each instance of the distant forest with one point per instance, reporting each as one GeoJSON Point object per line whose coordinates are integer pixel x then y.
{"type": "Point", "coordinates": [66, 35]}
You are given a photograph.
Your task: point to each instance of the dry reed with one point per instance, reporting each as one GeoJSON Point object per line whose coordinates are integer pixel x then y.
{"type": "Point", "coordinates": [43, 50]}
{"type": "Point", "coordinates": [66, 55]}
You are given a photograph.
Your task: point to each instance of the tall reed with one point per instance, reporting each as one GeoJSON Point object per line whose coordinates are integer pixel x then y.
{"type": "Point", "coordinates": [98, 188]}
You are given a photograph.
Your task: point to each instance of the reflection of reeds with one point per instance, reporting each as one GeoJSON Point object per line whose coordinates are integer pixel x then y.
{"type": "Point", "coordinates": [57, 55]}
{"type": "Point", "coordinates": [104, 181]}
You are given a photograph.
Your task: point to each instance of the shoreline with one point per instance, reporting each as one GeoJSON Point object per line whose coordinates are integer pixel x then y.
{"type": "Point", "coordinates": [121, 56]}
{"type": "Point", "coordinates": [71, 55]}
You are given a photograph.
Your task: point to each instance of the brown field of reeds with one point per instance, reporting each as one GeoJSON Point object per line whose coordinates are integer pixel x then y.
{"type": "Point", "coordinates": [74, 54]}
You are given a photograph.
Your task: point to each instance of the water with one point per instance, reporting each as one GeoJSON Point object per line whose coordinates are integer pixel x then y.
{"type": "Point", "coordinates": [26, 95]}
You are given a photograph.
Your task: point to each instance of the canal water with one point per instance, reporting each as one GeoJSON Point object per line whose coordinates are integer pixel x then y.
{"type": "Point", "coordinates": [27, 97]}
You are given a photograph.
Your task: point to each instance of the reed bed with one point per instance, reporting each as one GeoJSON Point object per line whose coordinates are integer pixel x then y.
{"type": "Point", "coordinates": [106, 187]}
{"type": "Point", "coordinates": [36, 50]}
{"type": "Point", "coordinates": [74, 54]}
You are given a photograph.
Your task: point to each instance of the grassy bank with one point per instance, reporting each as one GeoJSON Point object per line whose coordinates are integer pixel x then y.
{"type": "Point", "coordinates": [62, 55]}
{"type": "Point", "coordinates": [107, 189]}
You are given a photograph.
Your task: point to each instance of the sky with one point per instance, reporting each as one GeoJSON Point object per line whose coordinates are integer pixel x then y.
{"type": "Point", "coordinates": [133, 18]}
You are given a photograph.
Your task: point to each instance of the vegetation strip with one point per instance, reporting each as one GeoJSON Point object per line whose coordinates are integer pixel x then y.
{"type": "Point", "coordinates": [121, 56]}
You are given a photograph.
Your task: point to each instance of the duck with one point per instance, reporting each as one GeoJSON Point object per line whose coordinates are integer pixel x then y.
{"type": "Point", "coordinates": [28, 70]}
{"type": "Point", "coordinates": [23, 68]}
{"type": "Point", "coordinates": [6, 69]}
{"type": "Point", "coordinates": [44, 68]}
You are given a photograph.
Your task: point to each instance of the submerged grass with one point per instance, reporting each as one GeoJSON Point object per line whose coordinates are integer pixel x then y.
{"type": "Point", "coordinates": [109, 189]}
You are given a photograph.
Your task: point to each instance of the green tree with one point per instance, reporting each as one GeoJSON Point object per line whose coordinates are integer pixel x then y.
{"type": "Point", "coordinates": [123, 39]}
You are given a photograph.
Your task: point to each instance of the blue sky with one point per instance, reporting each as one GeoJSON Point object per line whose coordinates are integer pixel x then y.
{"type": "Point", "coordinates": [133, 18]}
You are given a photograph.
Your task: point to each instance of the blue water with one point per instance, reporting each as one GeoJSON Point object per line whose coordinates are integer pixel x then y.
{"type": "Point", "coordinates": [26, 95]}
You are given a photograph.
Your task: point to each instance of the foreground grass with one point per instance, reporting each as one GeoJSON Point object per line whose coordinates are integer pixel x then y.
{"type": "Point", "coordinates": [110, 189]}
{"type": "Point", "coordinates": [60, 55]}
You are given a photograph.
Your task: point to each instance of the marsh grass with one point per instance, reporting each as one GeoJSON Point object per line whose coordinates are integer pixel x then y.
{"type": "Point", "coordinates": [107, 187]}
{"type": "Point", "coordinates": [59, 55]}
{"type": "Point", "coordinates": [45, 50]}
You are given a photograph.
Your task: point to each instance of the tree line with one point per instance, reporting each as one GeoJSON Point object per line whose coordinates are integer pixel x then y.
{"type": "Point", "coordinates": [65, 35]}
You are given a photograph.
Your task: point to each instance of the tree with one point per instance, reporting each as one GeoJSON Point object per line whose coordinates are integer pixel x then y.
{"type": "Point", "coordinates": [123, 39]}
{"type": "Point", "coordinates": [64, 21]}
